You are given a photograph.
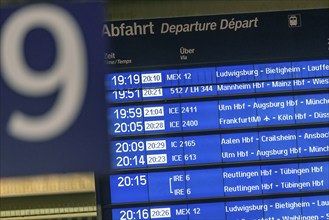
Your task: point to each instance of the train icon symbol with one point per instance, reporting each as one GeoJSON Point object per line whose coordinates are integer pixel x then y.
{"type": "Point", "coordinates": [294, 21]}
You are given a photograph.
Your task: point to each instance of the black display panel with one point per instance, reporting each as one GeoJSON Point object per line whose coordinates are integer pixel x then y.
{"type": "Point", "coordinates": [218, 117]}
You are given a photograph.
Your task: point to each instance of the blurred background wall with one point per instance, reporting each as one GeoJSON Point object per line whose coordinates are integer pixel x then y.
{"type": "Point", "coordinates": [125, 10]}
{"type": "Point", "coordinates": [137, 9]}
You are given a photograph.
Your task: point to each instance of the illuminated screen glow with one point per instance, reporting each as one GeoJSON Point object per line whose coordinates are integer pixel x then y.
{"type": "Point", "coordinates": [212, 134]}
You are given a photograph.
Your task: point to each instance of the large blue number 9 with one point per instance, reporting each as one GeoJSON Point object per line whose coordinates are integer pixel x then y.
{"type": "Point", "coordinates": [68, 74]}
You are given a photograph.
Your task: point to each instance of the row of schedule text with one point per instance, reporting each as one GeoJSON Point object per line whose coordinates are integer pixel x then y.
{"type": "Point", "coordinates": [219, 114]}
{"type": "Point", "coordinates": [207, 149]}
{"type": "Point", "coordinates": [218, 75]}
{"type": "Point", "coordinates": [306, 207]}
{"type": "Point", "coordinates": [203, 91]}
{"type": "Point", "coordinates": [219, 182]}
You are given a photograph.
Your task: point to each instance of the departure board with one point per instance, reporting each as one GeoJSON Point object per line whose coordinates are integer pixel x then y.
{"type": "Point", "coordinates": [220, 117]}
